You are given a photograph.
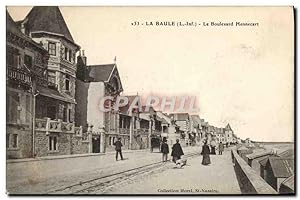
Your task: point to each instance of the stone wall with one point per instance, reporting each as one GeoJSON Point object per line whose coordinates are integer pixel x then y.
{"type": "Point", "coordinates": [42, 144]}
{"type": "Point", "coordinates": [66, 144]}
{"type": "Point", "coordinates": [79, 146]}
{"type": "Point", "coordinates": [24, 141]}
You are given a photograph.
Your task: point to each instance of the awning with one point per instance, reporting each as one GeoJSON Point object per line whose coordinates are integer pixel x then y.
{"type": "Point", "coordinates": [53, 94]}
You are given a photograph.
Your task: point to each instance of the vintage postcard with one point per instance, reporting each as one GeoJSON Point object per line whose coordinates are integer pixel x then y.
{"type": "Point", "coordinates": [109, 100]}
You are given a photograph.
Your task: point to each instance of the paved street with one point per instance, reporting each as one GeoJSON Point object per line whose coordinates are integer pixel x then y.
{"type": "Point", "coordinates": [46, 176]}
{"type": "Point", "coordinates": [218, 178]}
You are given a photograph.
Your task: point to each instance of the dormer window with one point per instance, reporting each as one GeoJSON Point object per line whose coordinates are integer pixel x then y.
{"type": "Point", "coordinates": [52, 48]}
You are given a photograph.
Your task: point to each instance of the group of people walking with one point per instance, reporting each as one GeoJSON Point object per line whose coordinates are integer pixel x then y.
{"type": "Point", "coordinates": [177, 151]}
{"type": "Point", "coordinates": [206, 151]}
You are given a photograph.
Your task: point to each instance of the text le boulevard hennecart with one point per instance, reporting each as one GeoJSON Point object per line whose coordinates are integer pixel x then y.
{"type": "Point", "coordinates": [191, 23]}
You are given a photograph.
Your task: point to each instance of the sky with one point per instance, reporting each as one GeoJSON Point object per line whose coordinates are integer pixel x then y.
{"type": "Point", "coordinates": [239, 75]}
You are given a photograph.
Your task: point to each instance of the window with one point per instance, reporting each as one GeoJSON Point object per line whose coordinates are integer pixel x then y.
{"type": "Point", "coordinates": [67, 82]}
{"type": "Point", "coordinates": [70, 55]}
{"type": "Point", "coordinates": [66, 53]}
{"type": "Point", "coordinates": [52, 48]}
{"type": "Point", "coordinates": [52, 143]}
{"type": "Point", "coordinates": [65, 114]}
{"type": "Point", "coordinates": [28, 61]}
{"type": "Point", "coordinates": [69, 115]}
{"type": "Point", "coordinates": [14, 141]}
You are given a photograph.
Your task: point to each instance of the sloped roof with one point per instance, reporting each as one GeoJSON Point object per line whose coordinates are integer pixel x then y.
{"type": "Point", "coordinates": [47, 19]}
{"type": "Point", "coordinates": [180, 116]}
{"type": "Point", "coordinates": [99, 73]}
{"type": "Point", "coordinates": [44, 91]}
{"type": "Point", "coordinates": [287, 153]}
{"type": "Point", "coordinates": [164, 121]}
{"type": "Point", "coordinates": [13, 28]}
{"type": "Point", "coordinates": [242, 148]}
{"type": "Point", "coordinates": [258, 154]}
{"type": "Point", "coordinates": [264, 161]}
{"type": "Point", "coordinates": [289, 182]}
{"type": "Point", "coordinates": [281, 167]}
{"type": "Point", "coordinates": [228, 127]}
{"type": "Point", "coordinates": [259, 159]}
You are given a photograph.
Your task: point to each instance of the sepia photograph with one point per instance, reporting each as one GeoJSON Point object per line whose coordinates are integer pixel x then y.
{"type": "Point", "coordinates": [150, 100]}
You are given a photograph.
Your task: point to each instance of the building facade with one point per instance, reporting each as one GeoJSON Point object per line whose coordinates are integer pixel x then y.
{"type": "Point", "coordinates": [53, 89]}
{"type": "Point", "coordinates": [97, 117]}
{"type": "Point", "coordinates": [26, 68]}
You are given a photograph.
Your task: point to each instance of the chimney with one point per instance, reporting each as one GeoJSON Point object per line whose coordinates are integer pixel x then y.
{"type": "Point", "coordinates": [81, 58]}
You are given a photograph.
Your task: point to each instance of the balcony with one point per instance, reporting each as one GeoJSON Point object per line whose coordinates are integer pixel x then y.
{"type": "Point", "coordinates": [144, 130]}
{"type": "Point", "coordinates": [19, 76]}
{"type": "Point", "coordinates": [124, 131]}
{"type": "Point", "coordinates": [56, 126]}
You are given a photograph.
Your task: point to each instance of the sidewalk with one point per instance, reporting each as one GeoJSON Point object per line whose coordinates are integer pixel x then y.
{"type": "Point", "coordinates": [70, 156]}
{"type": "Point", "coordinates": [41, 176]}
{"type": "Point", "coordinates": [194, 178]}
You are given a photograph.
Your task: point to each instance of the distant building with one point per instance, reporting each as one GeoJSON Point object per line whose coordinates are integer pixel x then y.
{"type": "Point", "coordinates": [229, 134]}
{"type": "Point", "coordinates": [182, 120]}
{"type": "Point", "coordinates": [169, 128]}
{"type": "Point", "coordinates": [195, 128]}
{"type": "Point", "coordinates": [220, 135]}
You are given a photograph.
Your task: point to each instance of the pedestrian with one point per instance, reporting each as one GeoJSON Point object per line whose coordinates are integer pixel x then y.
{"type": "Point", "coordinates": [152, 144]}
{"type": "Point", "coordinates": [118, 148]}
{"type": "Point", "coordinates": [213, 145]}
{"type": "Point", "coordinates": [176, 151]}
{"type": "Point", "coordinates": [205, 152]}
{"type": "Point", "coordinates": [221, 148]}
{"type": "Point", "coordinates": [164, 150]}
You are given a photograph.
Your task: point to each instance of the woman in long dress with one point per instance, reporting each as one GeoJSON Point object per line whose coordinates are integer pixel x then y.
{"type": "Point", "coordinates": [176, 151]}
{"type": "Point", "coordinates": [205, 152]}
{"type": "Point", "coordinates": [213, 145]}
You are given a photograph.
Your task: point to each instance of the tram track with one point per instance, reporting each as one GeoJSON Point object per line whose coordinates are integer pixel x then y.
{"type": "Point", "coordinates": [103, 182]}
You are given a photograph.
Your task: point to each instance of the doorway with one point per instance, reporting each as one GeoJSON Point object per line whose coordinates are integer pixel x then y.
{"type": "Point", "coordinates": [96, 144]}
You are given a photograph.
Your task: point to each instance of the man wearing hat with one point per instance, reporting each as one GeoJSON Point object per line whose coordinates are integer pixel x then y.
{"type": "Point", "coordinates": [118, 148]}
{"type": "Point", "coordinates": [164, 149]}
